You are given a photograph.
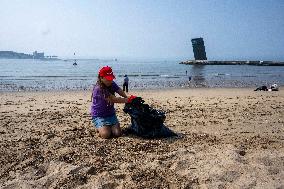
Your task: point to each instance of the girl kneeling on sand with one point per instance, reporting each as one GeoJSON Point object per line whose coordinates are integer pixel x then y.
{"type": "Point", "coordinates": [103, 99]}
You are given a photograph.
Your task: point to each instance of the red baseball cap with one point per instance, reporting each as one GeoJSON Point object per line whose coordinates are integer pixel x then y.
{"type": "Point", "coordinates": [107, 73]}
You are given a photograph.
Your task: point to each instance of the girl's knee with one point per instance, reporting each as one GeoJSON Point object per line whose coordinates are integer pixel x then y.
{"type": "Point", "coordinates": [104, 132]}
{"type": "Point", "coordinates": [105, 135]}
{"type": "Point", "coordinates": [116, 130]}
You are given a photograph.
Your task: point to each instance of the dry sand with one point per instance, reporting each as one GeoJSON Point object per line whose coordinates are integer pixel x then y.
{"type": "Point", "coordinates": [228, 138]}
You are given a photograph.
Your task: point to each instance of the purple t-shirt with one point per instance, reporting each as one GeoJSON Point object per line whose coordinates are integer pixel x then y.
{"type": "Point", "coordinates": [100, 106]}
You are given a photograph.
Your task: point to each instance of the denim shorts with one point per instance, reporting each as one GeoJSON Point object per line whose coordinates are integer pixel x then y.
{"type": "Point", "coordinates": [105, 121]}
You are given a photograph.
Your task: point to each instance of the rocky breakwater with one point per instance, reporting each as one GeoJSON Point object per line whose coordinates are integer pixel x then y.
{"type": "Point", "coordinates": [254, 63]}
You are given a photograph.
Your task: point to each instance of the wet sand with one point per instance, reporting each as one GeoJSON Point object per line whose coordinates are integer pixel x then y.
{"type": "Point", "coordinates": [228, 138]}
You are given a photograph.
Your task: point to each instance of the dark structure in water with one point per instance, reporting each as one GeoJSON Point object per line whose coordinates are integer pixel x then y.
{"type": "Point", "coordinates": [198, 49]}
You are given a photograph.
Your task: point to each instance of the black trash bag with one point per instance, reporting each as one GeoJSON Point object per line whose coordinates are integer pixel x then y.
{"type": "Point", "coordinates": [146, 121]}
{"type": "Point", "coordinates": [262, 88]}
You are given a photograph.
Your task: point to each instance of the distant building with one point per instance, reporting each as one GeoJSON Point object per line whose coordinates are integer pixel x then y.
{"type": "Point", "coordinates": [198, 49]}
{"type": "Point", "coordinates": [14, 55]}
{"type": "Point", "coordinates": [37, 55]}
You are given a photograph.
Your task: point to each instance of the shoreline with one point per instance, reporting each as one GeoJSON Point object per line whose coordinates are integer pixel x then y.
{"type": "Point", "coordinates": [137, 89]}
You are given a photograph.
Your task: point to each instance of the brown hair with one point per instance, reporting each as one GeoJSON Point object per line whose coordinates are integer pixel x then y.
{"type": "Point", "coordinates": [106, 91]}
{"type": "Point", "coordinates": [100, 83]}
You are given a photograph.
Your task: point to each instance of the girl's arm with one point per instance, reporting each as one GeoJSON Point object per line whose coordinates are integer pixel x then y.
{"type": "Point", "coordinates": [115, 99]}
{"type": "Point", "coordinates": [122, 93]}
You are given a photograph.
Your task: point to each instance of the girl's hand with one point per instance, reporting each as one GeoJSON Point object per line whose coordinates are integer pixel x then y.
{"type": "Point", "coordinates": [131, 98]}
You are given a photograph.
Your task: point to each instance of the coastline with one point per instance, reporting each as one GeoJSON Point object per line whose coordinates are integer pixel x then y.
{"type": "Point", "coordinates": [152, 88]}
{"type": "Point", "coordinates": [132, 90]}
{"type": "Point", "coordinates": [228, 137]}
{"type": "Point", "coordinates": [135, 90]}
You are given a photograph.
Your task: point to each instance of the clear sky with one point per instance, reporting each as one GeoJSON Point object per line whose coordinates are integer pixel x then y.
{"type": "Point", "coordinates": [232, 29]}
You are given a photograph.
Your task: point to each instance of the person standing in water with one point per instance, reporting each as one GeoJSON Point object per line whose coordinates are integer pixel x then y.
{"type": "Point", "coordinates": [125, 83]}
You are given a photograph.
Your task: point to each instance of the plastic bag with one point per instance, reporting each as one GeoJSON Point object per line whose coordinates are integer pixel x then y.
{"type": "Point", "coordinates": [262, 88]}
{"type": "Point", "coordinates": [146, 121]}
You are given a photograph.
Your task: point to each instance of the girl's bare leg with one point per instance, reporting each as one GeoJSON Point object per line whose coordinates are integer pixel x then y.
{"type": "Point", "coordinates": [116, 130]}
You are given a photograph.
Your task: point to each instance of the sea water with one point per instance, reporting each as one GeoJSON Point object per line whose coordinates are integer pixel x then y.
{"type": "Point", "coordinates": [43, 75]}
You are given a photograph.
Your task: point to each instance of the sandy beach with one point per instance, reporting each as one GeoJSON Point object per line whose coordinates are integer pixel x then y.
{"type": "Point", "coordinates": [227, 138]}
